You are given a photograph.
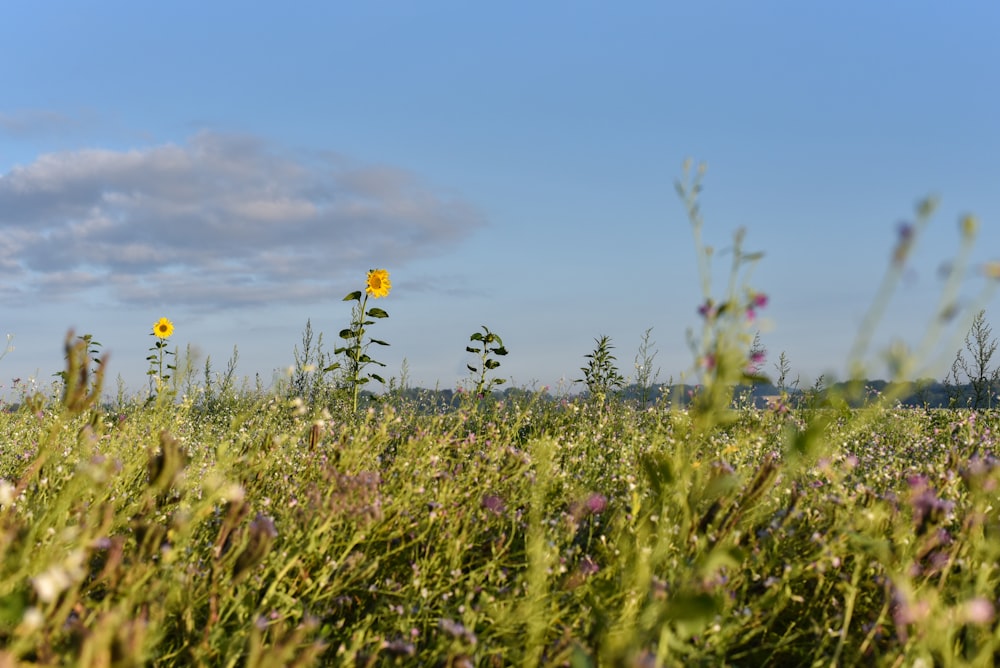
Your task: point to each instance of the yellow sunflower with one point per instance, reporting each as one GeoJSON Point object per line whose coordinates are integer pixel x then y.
{"type": "Point", "coordinates": [163, 328]}
{"type": "Point", "coordinates": [378, 284]}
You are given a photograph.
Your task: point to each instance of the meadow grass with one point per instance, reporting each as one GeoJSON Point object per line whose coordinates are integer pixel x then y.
{"type": "Point", "coordinates": [521, 532]}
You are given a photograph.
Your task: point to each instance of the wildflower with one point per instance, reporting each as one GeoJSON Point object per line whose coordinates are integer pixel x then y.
{"type": "Point", "coordinates": [399, 648]}
{"type": "Point", "coordinates": [7, 493]}
{"type": "Point", "coordinates": [978, 611]}
{"type": "Point", "coordinates": [969, 225]}
{"type": "Point", "coordinates": [163, 328]}
{"type": "Point", "coordinates": [757, 300]}
{"type": "Point", "coordinates": [596, 503]}
{"type": "Point", "coordinates": [378, 283]}
{"type": "Point", "coordinates": [457, 630]}
{"type": "Point", "coordinates": [262, 533]}
{"type": "Point", "coordinates": [904, 243]}
{"type": "Point", "coordinates": [493, 503]}
{"type": "Point", "coordinates": [927, 506]}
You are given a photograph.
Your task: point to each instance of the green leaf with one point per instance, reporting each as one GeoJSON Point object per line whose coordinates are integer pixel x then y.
{"type": "Point", "coordinates": [12, 607]}
{"type": "Point", "coordinates": [335, 365]}
{"type": "Point", "coordinates": [378, 378]}
{"type": "Point", "coordinates": [659, 473]}
{"type": "Point", "coordinates": [719, 557]}
{"type": "Point", "coordinates": [380, 342]}
{"type": "Point", "coordinates": [695, 607]}
{"type": "Point", "coordinates": [346, 334]}
{"type": "Point", "coordinates": [500, 351]}
{"type": "Point", "coordinates": [377, 313]}
{"type": "Point", "coordinates": [356, 296]}
{"type": "Point", "coordinates": [471, 349]}
{"type": "Point", "coordinates": [491, 364]}
{"type": "Point", "coordinates": [499, 381]}
{"type": "Point", "coordinates": [476, 337]}
{"type": "Point", "coordinates": [468, 366]}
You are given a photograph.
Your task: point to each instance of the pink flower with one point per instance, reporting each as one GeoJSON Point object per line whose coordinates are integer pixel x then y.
{"type": "Point", "coordinates": [596, 503]}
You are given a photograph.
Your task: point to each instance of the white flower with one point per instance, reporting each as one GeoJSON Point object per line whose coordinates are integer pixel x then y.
{"type": "Point", "coordinates": [7, 491]}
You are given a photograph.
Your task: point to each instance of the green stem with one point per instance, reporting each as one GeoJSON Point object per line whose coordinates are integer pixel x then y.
{"type": "Point", "coordinates": [357, 351]}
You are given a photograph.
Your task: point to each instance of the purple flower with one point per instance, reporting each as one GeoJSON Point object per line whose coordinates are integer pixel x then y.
{"type": "Point", "coordinates": [596, 503]}
{"type": "Point", "coordinates": [493, 503]}
{"type": "Point", "coordinates": [588, 566]}
{"type": "Point", "coordinates": [927, 506]}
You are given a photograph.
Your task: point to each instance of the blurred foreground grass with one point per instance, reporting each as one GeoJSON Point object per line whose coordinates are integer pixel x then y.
{"type": "Point", "coordinates": [526, 532]}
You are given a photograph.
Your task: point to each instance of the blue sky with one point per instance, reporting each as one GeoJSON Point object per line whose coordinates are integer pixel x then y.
{"type": "Point", "coordinates": [238, 168]}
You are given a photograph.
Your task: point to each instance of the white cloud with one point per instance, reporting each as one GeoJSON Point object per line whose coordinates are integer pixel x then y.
{"type": "Point", "coordinates": [215, 222]}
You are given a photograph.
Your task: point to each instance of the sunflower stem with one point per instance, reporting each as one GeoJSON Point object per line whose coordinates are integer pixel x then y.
{"type": "Point", "coordinates": [357, 351]}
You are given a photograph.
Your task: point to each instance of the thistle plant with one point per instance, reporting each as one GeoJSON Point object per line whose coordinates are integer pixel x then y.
{"type": "Point", "coordinates": [723, 352]}
{"type": "Point", "coordinates": [92, 349]}
{"type": "Point", "coordinates": [377, 285]}
{"type": "Point", "coordinates": [485, 340]}
{"type": "Point", "coordinates": [80, 390]}
{"type": "Point", "coordinates": [162, 330]}
{"type": "Point", "coordinates": [601, 374]}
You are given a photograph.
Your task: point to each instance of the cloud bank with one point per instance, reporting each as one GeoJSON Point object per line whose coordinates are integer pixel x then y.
{"type": "Point", "coordinates": [219, 221]}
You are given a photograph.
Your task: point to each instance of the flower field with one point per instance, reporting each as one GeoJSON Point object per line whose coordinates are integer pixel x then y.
{"type": "Point", "coordinates": [257, 530]}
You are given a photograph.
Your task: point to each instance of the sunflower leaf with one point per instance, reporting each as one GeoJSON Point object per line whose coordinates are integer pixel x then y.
{"type": "Point", "coordinates": [375, 312]}
{"type": "Point", "coordinates": [356, 296]}
{"type": "Point", "coordinates": [378, 378]}
{"type": "Point", "coordinates": [380, 342]}
{"type": "Point", "coordinates": [347, 333]}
